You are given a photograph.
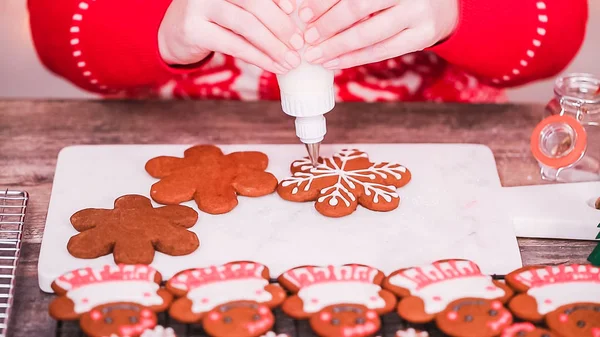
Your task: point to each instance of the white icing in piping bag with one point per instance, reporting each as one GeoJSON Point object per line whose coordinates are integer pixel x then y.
{"type": "Point", "coordinates": [307, 93]}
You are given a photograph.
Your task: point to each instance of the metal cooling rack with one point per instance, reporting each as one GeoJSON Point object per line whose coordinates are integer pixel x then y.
{"type": "Point", "coordinates": [13, 205]}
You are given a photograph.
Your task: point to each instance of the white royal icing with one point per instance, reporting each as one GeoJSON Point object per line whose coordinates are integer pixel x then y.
{"type": "Point", "coordinates": [208, 296]}
{"type": "Point", "coordinates": [437, 296]}
{"type": "Point", "coordinates": [159, 331]}
{"type": "Point", "coordinates": [411, 333]}
{"type": "Point", "coordinates": [89, 296]}
{"type": "Point", "coordinates": [552, 296]}
{"type": "Point", "coordinates": [344, 189]}
{"type": "Point", "coordinates": [320, 295]}
{"type": "Point", "coordinates": [273, 334]}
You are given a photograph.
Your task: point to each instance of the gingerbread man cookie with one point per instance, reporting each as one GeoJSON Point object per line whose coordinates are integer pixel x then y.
{"type": "Point", "coordinates": [474, 317]}
{"type": "Point", "coordinates": [234, 299]}
{"type": "Point", "coordinates": [133, 230]}
{"type": "Point", "coordinates": [211, 178]}
{"type": "Point", "coordinates": [575, 320]}
{"type": "Point", "coordinates": [119, 299]}
{"type": "Point", "coordinates": [526, 329]}
{"type": "Point", "coordinates": [427, 290]}
{"type": "Point", "coordinates": [342, 182]}
{"type": "Point", "coordinates": [544, 289]}
{"type": "Point", "coordinates": [338, 300]}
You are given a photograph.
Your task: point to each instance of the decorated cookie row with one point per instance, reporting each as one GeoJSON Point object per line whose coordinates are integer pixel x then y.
{"type": "Point", "coordinates": [236, 299]}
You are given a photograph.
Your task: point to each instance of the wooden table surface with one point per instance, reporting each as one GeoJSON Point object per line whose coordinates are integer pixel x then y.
{"type": "Point", "coordinates": [33, 132]}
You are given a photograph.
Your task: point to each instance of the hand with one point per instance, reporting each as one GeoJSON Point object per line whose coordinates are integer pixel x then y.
{"type": "Point", "coordinates": [348, 33]}
{"type": "Point", "coordinates": [259, 32]}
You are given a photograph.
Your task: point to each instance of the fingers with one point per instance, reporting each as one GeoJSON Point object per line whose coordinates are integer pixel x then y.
{"type": "Point", "coordinates": [345, 14]}
{"type": "Point", "coordinates": [247, 27]}
{"type": "Point", "coordinates": [224, 41]}
{"type": "Point", "coordinates": [287, 6]}
{"type": "Point", "coordinates": [408, 41]}
{"type": "Point", "coordinates": [276, 20]}
{"type": "Point", "coordinates": [367, 33]}
{"type": "Point", "coordinates": [312, 9]}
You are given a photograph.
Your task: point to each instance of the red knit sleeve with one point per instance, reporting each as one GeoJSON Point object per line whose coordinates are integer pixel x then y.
{"type": "Point", "coordinates": [103, 46]}
{"type": "Point", "coordinates": [513, 42]}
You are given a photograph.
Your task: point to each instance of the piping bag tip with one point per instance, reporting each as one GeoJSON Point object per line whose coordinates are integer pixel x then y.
{"type": "Point", "coordinates": [313, 153]}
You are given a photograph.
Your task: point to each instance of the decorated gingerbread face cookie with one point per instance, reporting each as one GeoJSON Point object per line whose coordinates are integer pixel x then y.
{"type": "Point", "coordinates": [345, 320]}
{"type": "Point", "coordinates": [210, 178]}
{"type": "Point", "coordinates": [427, 290]}
{"type": "Point", "coordinates": [118, 319]}
{"type": "Point", "coordinates": [474, 317]}
{"type": "Point", "coordinates": [232, 299]}
{"type": "Point", "coordinates": [342, 182]}
{"type": "Point", "coordinates": [545, 289]}
{"type": "Point", "coordinates": [526, 329]}
{"type": "Point", "coordinates": [112, 298]}
{"type": "Point", "coordinates": [339, 300]}
{"type": "Point", "coordinates": [581, 320]}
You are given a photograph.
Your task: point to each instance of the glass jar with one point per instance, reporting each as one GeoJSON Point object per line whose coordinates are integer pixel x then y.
{"type": "Point", "coordinates": [566, 143]}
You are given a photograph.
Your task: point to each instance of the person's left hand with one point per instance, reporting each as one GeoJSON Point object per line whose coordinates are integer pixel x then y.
{"type": "Point", "coordinates": [348, 33]}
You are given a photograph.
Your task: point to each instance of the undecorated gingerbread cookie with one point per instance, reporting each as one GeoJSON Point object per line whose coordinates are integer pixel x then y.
{"type": "Point", "coordinates": [427, 290]}
{"type": "Point", "coordinates": [526, 329]}
{"type": "Point", "coordinates": [338, 300]}
{"type": "Point", "coordinates": [113, 300]}
{"type": "Point", "coordinates": [474, 317]}
{"type": "Point", "coordinates": [234, 299]}
{"type": "Point", "coordinates": [544, 289]}
{"type": "Point", "coordinates": [342, 182]}
{"type": "Point", "coordinates": [211, 178]}
{"type": "Point", "coordinates": [133, 230]}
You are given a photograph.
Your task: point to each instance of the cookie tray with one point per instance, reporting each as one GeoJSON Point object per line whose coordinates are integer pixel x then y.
{"type": "Point", "coordinates": [13, 205]}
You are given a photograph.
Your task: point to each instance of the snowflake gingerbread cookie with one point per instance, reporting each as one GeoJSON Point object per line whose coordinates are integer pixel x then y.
{"type": "Point", "coordinates": [234, 299]}
{"type": "Point", "coordinates": [567, 297]}
{"type": "Point", "coordinates": [338, 184]}
{"type": "Point", "coordinates": [338, 300]}
{"type": "Point", "coordinates": [427, 290]}
{"type": "Point", "coordinates": [115, 299]}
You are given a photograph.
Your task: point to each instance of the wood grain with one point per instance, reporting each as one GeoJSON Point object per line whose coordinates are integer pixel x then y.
{"type": "Point", "coordinates": [33, 132]}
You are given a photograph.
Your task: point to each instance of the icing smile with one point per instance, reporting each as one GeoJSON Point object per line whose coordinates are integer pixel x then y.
{"type": "Point", "coordinates": [137, 329]}
{"type": "Point", "coordinates": [359, 330]}
{"type": "Point", "coordinates": [500, 322]}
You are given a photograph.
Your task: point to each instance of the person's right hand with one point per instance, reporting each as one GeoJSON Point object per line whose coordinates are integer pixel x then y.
{"type": "Point", "coordinates": [259, 32]}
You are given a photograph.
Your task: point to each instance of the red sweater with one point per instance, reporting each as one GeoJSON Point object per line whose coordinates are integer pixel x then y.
{"type": "Point", "coordinates": [110, 47]}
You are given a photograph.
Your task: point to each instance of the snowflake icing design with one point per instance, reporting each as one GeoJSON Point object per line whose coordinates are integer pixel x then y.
{"type": "Point", "coordinates": [338, 184]}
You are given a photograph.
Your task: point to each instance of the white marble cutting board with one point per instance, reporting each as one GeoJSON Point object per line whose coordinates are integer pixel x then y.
{"type": "Point", "coordinates": [450, 209]}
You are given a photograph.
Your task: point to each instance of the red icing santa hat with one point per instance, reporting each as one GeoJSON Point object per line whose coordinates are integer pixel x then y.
{"type": "Point", "coordinates": [216, 285]}
{"type": "Point", "coordinates": [319, 287]}
{"type": "Point", "coordinates": [90, 287]}
{"type": "Point", "coordinates": [417, 278]}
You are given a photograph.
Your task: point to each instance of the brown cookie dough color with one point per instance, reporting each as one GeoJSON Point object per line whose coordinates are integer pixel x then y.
{"type": "Point", "coordinates": [474, 317]}
{"type": "Point", "coordinates": [427, 290]}
{"type": "Point", "coordinates": [338, 300]}
{"type": "Point", "coordinates": [526, 329]}
{"type": "Point", "coordinates": [133, 231]}
{"type": "Point", "coordinates": [340, 183]}
{"type": "Point", "coordinates": [544, 289]}
{"type": "Point", "coordinates": [211, 178]}
{"type": "Point", "coordinates": [111, 299]}
{"type": "Point", "coordinates": [581, 320]}
{"type": "Point", "coordinates": [234, 299]}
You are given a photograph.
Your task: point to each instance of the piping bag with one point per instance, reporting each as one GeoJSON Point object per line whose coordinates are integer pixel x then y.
{"type": "Point", "coordinates": [307, 93]}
